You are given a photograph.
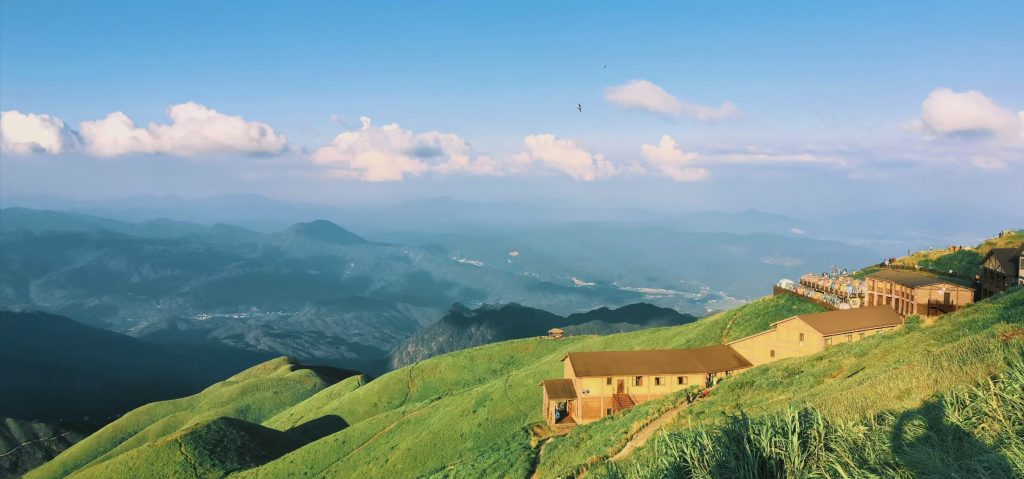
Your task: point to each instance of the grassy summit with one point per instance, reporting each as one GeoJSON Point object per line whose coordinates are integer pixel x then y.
{"type": "Point", "coordinates": [475, 413]}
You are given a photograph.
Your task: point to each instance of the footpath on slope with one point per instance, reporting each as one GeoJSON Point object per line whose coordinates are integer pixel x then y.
{"type": "Point", "coordinates": [641, 437]}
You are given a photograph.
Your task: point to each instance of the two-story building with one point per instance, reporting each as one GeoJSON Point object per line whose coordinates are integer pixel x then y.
{"type": "Point", "coordinates": [806, 334]}
{"type": "Point", "coordinates": [910, 292]}
{"type": "Point", "coordinates": [600, 383]}
{"type": "Point", "coordinates": [1001, 268]}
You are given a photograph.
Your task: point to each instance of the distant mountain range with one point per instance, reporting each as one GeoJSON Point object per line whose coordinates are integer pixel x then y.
{"type": "Point", "coordinates": [463, 328]}
{"type": "Point", "coordinates": [320, 292]}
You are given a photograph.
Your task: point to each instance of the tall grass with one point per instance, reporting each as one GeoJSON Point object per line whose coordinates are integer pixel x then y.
{"type": "Point", "coordinates": [966, 433]}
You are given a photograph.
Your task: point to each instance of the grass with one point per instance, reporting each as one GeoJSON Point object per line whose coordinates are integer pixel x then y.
{"type": "Point", "coordinates": [471, 413]}
{"type": "Point", "coordinates": [881, 377]}
{"type": "Point", "coordinates": [967, 432]}
{"type": "Point", "coordinates": [964, 262]}
{"type": "Point", "coordinates": [254, 395]}
{"type": "Point", "coordinates": [211, 448]}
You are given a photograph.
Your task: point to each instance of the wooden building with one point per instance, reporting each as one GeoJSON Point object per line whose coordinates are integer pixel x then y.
{"type": "Point", "coordinates": [600, 383]}
{"type": "Point", "coordinates": [556, 333]}
{"type": "Point", "coordinates": [807, 334]}
{"type": "Point", "coordinates": [1001, 268]}
{"type": "Point", "coordinates": [910, 292]}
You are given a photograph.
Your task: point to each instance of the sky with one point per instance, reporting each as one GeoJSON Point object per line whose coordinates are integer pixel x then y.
{"type": "Point", "coordinates": [697, 105]}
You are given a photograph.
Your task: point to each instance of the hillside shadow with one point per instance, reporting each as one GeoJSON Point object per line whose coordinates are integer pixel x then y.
{"type": "Point", "coordinates": [930, 446]}
{"type": "Point", "coordinates": [314, 429]}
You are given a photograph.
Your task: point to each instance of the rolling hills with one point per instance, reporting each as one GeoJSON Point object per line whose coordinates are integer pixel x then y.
{"type": "Point", "coordinates": [475, 412]}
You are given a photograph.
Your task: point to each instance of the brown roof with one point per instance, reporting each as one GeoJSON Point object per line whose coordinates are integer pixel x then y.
{"type": "Point", "coordinates": [559, 388]}
{"type": "Point", "coordinates": [909, 279]}
{"type": "Point", "coordinates": [708, 359]}
{"type": "Point", "coordinates": [556, 330]}
{"type": "Point", "coordinates": [1007, 257]}
{"type": "Point", "coordinates": [849, 320]}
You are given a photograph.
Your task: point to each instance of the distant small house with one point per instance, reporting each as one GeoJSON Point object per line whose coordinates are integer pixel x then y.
{"type": "Point", "coordinates": [909, 292]}
{"type": "Point", "coordinates": [556, 333]}
{"type": "Point", "coordinates": [807, 334]}
{"type": "Point", "coordinates": [601, 383]}
{"type": "Point", "coordinates": [1002, 268]}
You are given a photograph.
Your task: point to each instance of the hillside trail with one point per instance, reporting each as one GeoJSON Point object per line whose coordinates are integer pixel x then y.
{"type": "Point", "coordinates": [536, 460]}
{"type": "Point", "coordinates": [641, 437]}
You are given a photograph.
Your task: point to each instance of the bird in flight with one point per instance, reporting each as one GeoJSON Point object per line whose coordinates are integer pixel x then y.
{"type": "Point", "coordinates": [579, 106]}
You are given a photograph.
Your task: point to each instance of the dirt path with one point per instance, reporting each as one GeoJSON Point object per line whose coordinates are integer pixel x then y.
{"type": "Point", "coordinates": [641, 438]}
{"type": "Point", "coordinates": [536, 460]}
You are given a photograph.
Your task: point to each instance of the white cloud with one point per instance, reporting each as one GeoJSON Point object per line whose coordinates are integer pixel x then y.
{"type": "Point", "coordinates": [194, 130]}
{"type": "Point", "coordinates": [646, 96]}
{"type": "Point", "coordinates": [389, 153]}
{"type": "Point", "coordinates": [566, 156]}
{"type": "Point", "coordinates": [669, 160]}
{"type": "Point", "coordinates": [948, 113]}
{"type": "Point", "coordinates": [26, 133]}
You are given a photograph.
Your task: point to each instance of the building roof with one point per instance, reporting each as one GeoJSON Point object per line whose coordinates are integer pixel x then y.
{"type": "Point", "coordinates": [910, 279]}
{"type": "Point", "coordinates": [556, 330]}
{"type": "Point", "coordinates": [708, 359]}
{"type": "Point", "coordinates": [558, 389]}
{"type": "Point", "coordinates": [1007, 257]}
{"type": "Point", "coordinates": [842, 321]}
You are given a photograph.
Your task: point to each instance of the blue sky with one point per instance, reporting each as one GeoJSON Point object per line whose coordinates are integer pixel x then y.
{"type": "Point", "coordinates": [829, 98]}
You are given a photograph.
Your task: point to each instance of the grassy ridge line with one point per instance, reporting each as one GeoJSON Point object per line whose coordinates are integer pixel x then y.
{"type": "Point", "coordinates": [316, 406]}
{"type": "Point", "coordinates": [252, 396]}
{"type": "Point", "coordinates": [487, 420]}
{"type": "Point", "coordinates": [964, 262]}
{"type": "Point", "coordinates": [871, 383]}
{"type": "Point", "coordinates": [207, 449]}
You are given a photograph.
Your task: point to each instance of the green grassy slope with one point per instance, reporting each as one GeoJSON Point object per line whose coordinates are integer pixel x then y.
{"type": "Point", "coordinates": [964, 262]}
{"type": "Point", "coordinates": [211, 448]}
{"type": "Point", "coordinates": [883, 376]}
{"type": "Point", "coordinates": [254, 395]}
{"type": "Point", "coordinates": [474, 413]}
{"type": "Point", "coordinates": [470, 412]}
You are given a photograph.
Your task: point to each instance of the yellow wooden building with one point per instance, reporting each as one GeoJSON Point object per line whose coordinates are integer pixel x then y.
{"type": "Point", "coordinates": [600, 383]}
{"type": "Point", "coordinates": [911, 292]}
{"type": "Point", "coordinates": [807, 334]}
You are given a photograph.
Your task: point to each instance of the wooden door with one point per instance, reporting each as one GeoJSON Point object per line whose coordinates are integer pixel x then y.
{"type": "Point", "coordinates": [621, 387]}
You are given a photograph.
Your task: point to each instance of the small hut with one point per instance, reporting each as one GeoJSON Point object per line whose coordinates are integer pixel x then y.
{"type": "Point", "coordinates": [556, 333]}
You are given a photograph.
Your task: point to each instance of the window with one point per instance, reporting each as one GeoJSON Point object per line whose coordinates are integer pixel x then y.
{"type": "Point", "coordinates": [828, 341]}
{"type": "Point", "coordinates": [801, 338]}
{"type": "Point", "coordinates": [681, 380]}
{"type": "Point", "coordinates": [849, 338]}
{"type": "Point", "coordinates": [658, 381]}
{"type": "Point", "coordinates": [861, 335]}
{"type": "Point", "coordinates": [772, 353]}
{"type": "Point", "coordinates": [638, 380]}
{"type": "Point", "coordinates": [608, 412]}
{"type": "Point", "coordinates": [608, 381]}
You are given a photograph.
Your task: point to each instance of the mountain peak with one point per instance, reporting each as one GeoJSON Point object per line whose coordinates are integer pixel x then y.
{"type": "Point", "coordinates": [325, 231]}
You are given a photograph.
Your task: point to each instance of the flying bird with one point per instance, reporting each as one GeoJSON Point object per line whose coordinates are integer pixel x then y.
{"type": "Point", "coordinates": [579, 106]}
